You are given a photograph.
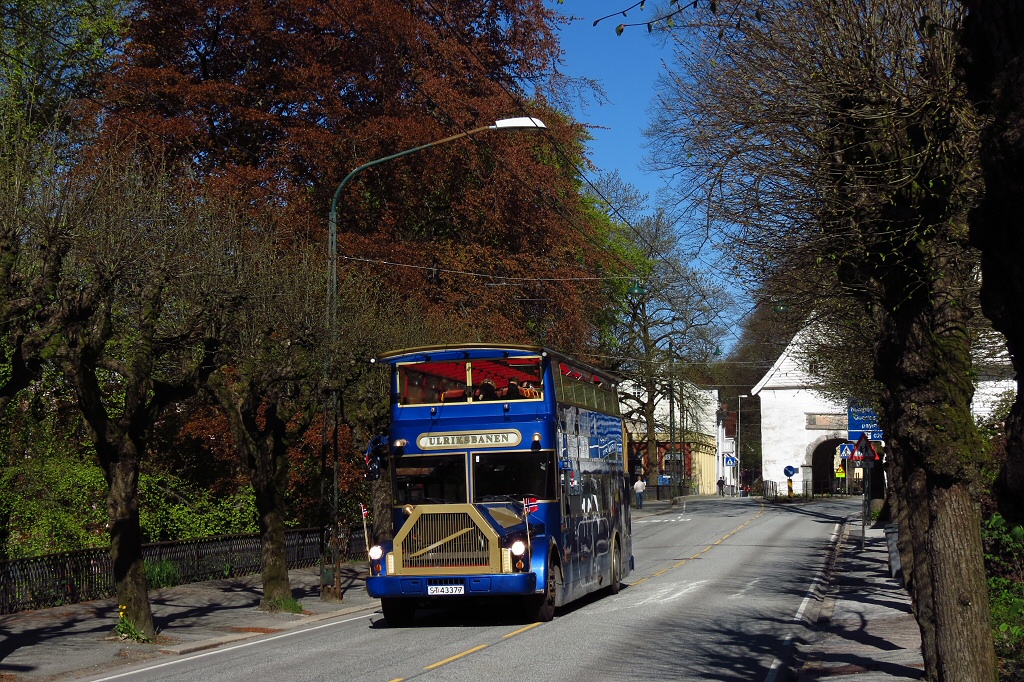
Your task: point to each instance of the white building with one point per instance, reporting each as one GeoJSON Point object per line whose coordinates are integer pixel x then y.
{"type": "Point", "coordinates": [801, 428]}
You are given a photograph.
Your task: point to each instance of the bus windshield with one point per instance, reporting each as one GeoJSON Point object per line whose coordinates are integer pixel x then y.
{"type": "Point", "coordinates": [500, 476]}
{"type": "Point", "coordinates": [467, 381]}
{"type": "Point", "coordinates": [436, 479]}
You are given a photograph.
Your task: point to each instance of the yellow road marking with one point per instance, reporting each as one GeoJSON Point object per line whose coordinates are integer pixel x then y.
{"type": "Point", "coordinates": [455, 657]}
{"type": "Point", "coordinates": [520, 630]}
{"type": "Point", "coordinates": [706, 549]}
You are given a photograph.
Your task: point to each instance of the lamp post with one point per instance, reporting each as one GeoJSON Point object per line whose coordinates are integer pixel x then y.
{"type": "Point", "coordinates": [739, 427]}
{"type": "Point", "coordinates": [523, 122]}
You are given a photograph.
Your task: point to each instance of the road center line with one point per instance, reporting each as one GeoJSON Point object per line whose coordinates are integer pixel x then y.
{"type": "Point", "coordinates": [456, 657]}
{"type": "Point", "coordinates": [520, 630]}
{"type": "Point", "coordinates": [706, 549]}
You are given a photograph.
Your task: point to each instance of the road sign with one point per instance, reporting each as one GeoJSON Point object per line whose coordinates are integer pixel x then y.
{"type": "Point", "coordinates": [865, 452]}
{"type": "Point", "coordinates": [789, 471]}
{"type": "Point", "coordinates": [841, 472]}
{"type": "Point", "coordinates": [731, 461]}
{"type": "Point", "coordinates": [846, 449]}
{"type": "Point", "coordinates": [860, 421]}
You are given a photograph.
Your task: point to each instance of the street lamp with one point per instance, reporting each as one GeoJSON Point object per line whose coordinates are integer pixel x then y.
{"type": "Point", "coordinates": [739, 427]}
{"type": "Point", "coordinates": [523, 122]}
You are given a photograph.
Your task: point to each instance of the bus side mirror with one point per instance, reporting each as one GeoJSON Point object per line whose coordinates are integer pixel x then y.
{"type": "Point", "coordinates": [376, 458]}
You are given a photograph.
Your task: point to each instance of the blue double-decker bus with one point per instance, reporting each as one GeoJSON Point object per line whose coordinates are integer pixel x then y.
{"type": "Point", "coordinates": [508, 477]}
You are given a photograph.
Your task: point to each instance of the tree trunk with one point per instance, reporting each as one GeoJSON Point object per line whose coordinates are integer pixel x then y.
{"type": "Point", "coordinates": [924, 362]}
{"type": "Point", "coordinates": [126, 541]}
{"type": "Point", "coordinates": [994, 37]}
{"type": "Point", "coordinates": [118, 454]}
{"type": "Point", "coordinates": [652, 434]}
{"type": "Point", "coordinates": [269, 480]}
{"type": "Point", "coordinates": [260, 436]}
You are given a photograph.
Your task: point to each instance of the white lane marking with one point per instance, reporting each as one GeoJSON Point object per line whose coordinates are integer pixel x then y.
{"type": "Point", "coordinates": [678, 518]}
{"type": "Point", "coordinates": [746, 588]}
{"type": "Point", "coordinates": [773, 671]}
{"type": "Point", "coordinates": [660, 595]}
{"type": "Point", "coordinates": [225, 649]}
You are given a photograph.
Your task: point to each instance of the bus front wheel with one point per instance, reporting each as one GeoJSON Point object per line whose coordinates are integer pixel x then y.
{"type": "Point", "coordinates": [542, 607]}
{"type": "Point", "coordinates": [398, 613]}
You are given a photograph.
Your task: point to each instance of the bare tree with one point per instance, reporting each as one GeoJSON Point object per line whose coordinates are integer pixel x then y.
{"type": "Point", "coordinates": [672, 324]}
{"type": "Point", "coordinates": [137, 295]}
{"type": "Point", "coordinates": [832, 142]}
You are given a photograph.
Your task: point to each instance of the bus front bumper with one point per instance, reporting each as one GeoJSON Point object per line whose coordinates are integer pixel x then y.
{"type": "Point", "coordinates": [472, 585]}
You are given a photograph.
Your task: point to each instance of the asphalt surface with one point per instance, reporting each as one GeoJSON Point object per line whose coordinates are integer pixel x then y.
{"type": "Point", "coordinates": [860, 625]}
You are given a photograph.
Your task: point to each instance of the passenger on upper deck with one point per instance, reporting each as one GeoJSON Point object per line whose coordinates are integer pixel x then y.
{"type": "Point", "coordinates": [512, 392]}
{"type": "Point", "coordinates": [486, 391]}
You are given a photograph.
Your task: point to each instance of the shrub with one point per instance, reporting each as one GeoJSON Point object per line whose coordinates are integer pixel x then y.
{"type": "Point", "coordinates": [162, 573]}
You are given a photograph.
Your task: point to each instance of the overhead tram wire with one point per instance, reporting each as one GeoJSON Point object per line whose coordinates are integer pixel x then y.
{"type": "Point", "coordinates": [466, 273]}
{"type": "Point", "coordinates": [554, 204]}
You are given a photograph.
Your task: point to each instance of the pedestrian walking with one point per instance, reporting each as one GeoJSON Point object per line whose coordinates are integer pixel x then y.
{"type": "Point", "coordinates": [721, 486]}
{"type": "Point", "coordinates": [639, 488]}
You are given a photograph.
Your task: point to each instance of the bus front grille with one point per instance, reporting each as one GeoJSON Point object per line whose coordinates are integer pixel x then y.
{"type": "Point", "coordinates": [444, 540]}
{"type": "Point", "coordinates": [449, 538]}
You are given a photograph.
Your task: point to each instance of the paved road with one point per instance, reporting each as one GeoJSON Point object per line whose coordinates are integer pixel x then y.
{"type": "Point", "coordinates": [718, 593]}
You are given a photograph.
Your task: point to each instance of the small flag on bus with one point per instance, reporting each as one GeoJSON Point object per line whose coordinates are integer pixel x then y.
{"type": "Point", "coordinates": [530, 505]}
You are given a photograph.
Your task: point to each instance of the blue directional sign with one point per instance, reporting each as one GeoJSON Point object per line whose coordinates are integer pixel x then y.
{"type": "Point", "coordinates": [845, 450]}
{"type": "Point", "coordinates": [862, 421]}
{"type": "Point", "coordinates": [790, 471]}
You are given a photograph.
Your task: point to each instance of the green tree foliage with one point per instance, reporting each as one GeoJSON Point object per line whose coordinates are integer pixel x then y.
{"type": "Point", "coordinates": [53, 52]}
{"type": "Point", "coordinates": [170, 509]}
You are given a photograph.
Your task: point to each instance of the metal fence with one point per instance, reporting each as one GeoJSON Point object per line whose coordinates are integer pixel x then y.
{"type": "Point", "coordinates": [774, 491]}
{"type": "Point", "coordinates": [84, 575]}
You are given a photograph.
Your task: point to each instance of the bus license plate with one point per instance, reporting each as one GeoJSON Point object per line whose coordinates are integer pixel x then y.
{"type": "Point", "coordinates": [445, 589]}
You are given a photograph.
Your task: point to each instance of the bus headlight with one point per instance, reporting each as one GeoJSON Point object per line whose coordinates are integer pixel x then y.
{"type": "Point", "coordinates": [376, 552]}
{"type": "Point", "coordinates": [518, 548]}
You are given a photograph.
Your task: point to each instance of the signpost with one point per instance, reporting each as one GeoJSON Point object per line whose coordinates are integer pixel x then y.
{"type": "Point", "coordinates": [790, 471]}
{"type": "Point", "coordinates": [864, 455]}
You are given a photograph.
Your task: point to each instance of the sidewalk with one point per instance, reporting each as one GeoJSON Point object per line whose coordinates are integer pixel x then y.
{"type": "Point", "coordinates": [864, 630]}
{"type": "Point", "coordinates": [76, 641]}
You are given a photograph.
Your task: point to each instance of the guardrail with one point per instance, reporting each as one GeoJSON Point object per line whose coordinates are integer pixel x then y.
{"type": "Point", "coordinates": [84, 575]}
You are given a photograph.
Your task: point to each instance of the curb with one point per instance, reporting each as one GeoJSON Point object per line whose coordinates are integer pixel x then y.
{"type": "Point", "coordinates": [809, 667]}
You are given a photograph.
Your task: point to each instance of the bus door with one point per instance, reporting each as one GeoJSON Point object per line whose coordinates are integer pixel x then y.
{"type": "Point", "coordinates": [588, 529]}
{"type": "Point", "coordinates": [571, 513]}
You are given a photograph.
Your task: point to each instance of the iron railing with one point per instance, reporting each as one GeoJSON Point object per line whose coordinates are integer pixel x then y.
{"type": "Point", "coordinates": [86, 574]}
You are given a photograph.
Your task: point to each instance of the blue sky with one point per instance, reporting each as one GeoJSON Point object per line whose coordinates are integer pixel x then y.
{"type": "Point", "coordinates": [627, 67]}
